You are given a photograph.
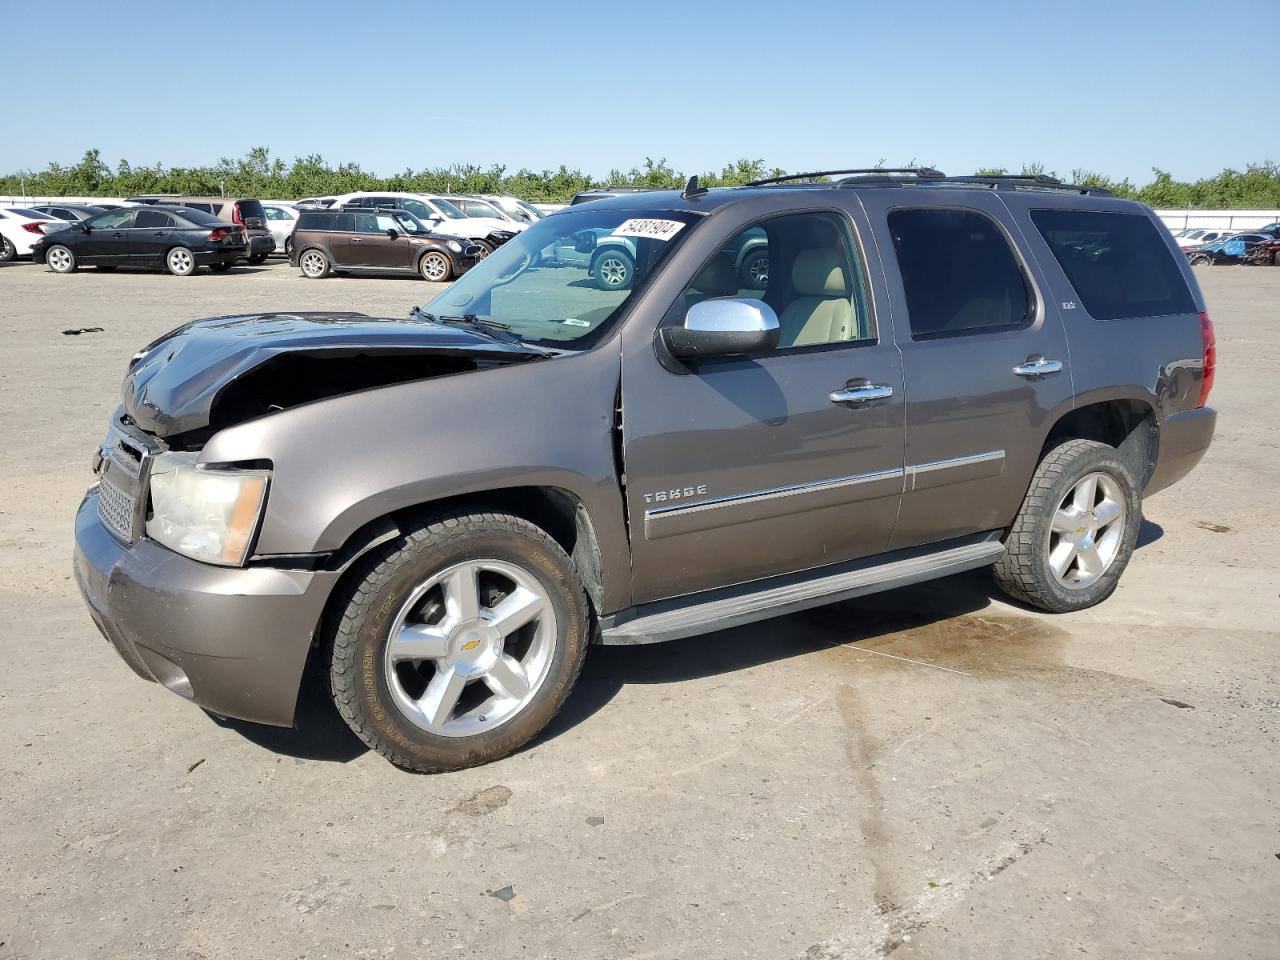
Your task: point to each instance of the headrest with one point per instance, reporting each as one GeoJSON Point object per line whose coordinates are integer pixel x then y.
{"type": "Point", "coordinates": [820, 273]}
{"type": "Point", "coordinates": [717, 279]}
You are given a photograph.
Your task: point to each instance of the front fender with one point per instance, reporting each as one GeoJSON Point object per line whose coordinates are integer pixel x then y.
{"type": "Point", "coordinates": [340, 463]}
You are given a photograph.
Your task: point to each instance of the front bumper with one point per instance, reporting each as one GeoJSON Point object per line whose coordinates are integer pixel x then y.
{"type": "Point", "coordinates": [1183, 440]}
{"type": "Point", "coordinates": [233, 640]}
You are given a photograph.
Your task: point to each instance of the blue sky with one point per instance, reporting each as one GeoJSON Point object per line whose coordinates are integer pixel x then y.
{"type": "Point", "coordinates": [1117, 87]}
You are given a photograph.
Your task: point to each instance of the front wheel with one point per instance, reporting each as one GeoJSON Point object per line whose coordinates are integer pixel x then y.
{"type": "Point", "coordinates": [61, 259]}
{"type": "Point", "coordinates": [754, 273]}
{"type": "Point", "coordinates": [435, 267]}
{"type": "Point", "coordinates": [180, 262]}
{"type": "Point", "coordinates": [486, 248]}
{"type": "Point", "coordinates": [458, 643]}
{"type": "Point", "coordinates": [1076, 530]}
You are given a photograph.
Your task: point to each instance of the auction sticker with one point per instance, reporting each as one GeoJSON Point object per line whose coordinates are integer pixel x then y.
{"type": "Point", "coordinates": [654, 229]}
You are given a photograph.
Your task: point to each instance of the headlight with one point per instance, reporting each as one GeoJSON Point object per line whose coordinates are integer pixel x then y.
{"type": "Point", "coordinates": [205, 513]}
{"type": "Point", "coordinates": [455, 246]}
{"type": "Point", "coordinates": [502, 236]}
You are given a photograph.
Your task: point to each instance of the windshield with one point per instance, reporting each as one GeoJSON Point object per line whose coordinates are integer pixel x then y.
{"type": "Point", "coordinates": [531, 213]}
{"type": "Point", "coordinates": [564, 279]}
{"type": "Point", "coordinates": [449, 210]}
{"type": "Point", "coordinates": [408, 222]}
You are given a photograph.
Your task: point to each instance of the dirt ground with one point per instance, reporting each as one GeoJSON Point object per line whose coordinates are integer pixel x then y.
{"type": "Point", "coordinates": [930, 773]}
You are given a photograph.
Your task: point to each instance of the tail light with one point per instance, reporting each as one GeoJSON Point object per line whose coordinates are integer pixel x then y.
{"type": "Point", "coordinates": [36, 228]}
{"type": "Point", "coordinates": [1209, 347]}
{"type": "Point", "coordinates": [235, 214]}
{"type": "Point", "coordinates": [217, 235]}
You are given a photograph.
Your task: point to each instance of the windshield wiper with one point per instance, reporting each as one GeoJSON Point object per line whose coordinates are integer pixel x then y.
{"type": "Point", "coordinates": [493, 329]}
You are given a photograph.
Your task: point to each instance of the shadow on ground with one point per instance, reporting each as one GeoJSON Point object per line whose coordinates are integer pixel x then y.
{"type": "Point", "coordinates": [321, 734]}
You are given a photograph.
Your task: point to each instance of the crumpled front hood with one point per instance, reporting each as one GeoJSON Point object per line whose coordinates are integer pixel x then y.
{"type": "Point", "coordinates": [173, 384]}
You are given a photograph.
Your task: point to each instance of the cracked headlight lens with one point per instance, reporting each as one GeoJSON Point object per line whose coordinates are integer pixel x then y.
{"type": "Point", "coordinates": [205, 513]}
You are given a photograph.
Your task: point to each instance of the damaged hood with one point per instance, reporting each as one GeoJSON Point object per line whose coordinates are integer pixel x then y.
{"type": "Point", "coordinates": [174, 384]}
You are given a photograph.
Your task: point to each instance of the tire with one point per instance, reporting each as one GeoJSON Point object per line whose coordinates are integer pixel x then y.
{"type": "Point", "coordinates": [180, 262]}
{"type": "Point", "coordinates": [314, 264]}
{"type": "Point", "coordinates": [1201, 260]}
{"type": "Point", "coordinates": [435, 267]}
{"type": "Point", "coordinates": [258, 258]}
{"type": "Point", "coordinates": [1060, 513]}
{"type": "Point", "coordinates": [399, 585]}
{"type": "Point", "coordinates": [61, 259]}
{"type": "Point", "coordinates": [220, 267]}
{"type": "Point", "coordinates": [486, 248]}
{"type": "Point", "coordinates": [105, 267]}
{"type": "Point", "coordinates": [288, 246]}
{"type": "Point", "coordinates": [613, 270]}
{"type": "Point", "coordinates": [8, 252]}
{"type": "Point", "coordinates": [754, 271]}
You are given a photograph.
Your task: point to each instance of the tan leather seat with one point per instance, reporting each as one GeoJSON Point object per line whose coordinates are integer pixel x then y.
{"type": "Point", "coordinates": [822, 312]}
{"type": "Point", "coordinates": [716, 279]}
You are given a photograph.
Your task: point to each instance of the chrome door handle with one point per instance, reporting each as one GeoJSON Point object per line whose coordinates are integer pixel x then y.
{"type": "Point", "coordinates": [862, 393]}
{"type": "Point", "coordinates": [1037, 367]}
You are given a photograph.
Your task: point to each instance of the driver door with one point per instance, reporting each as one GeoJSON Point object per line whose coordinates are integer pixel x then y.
{"type": "Point", "coordinates": [744, 467]}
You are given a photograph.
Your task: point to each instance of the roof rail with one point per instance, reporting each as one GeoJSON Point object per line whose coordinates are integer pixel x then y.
{"type": "Point", "coordinates": [922, 172]}
{"type": "Point", "coordinates": [1042, 181]}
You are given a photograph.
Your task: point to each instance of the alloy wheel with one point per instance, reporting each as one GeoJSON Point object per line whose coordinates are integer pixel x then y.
{"type": "Point", "coordinates": [613, 271]}
{"type": "Point", "coordinates": [435, 267]}
{"type": "Point", "coordinates": [1087, 529]}
{"type": "Point", "coordinates": [59, 259]}
{"type": "Point", "coordinates": [180, 261]}
{"type": "Point", "coordinates": [470, 648]}
{"type": "Point", "coordinates": [313, 264]}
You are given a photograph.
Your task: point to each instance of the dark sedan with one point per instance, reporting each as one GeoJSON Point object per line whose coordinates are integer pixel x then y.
{"type": "Point", "coordinates": [177, 238]}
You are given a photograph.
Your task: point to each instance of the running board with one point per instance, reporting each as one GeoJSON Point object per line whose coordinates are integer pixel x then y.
{"type": "Point", "coordinates": [773, 597]}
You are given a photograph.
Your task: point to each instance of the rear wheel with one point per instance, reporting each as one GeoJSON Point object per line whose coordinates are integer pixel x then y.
{"type": "Point", "coordinates": [180, 262]}
{"type": "Point", "coordinates": [314, 264]}
{"type": "Point", "coordinates": [1201, 259]}
{"type": "Point", "coordinates": [458, 644]}
{"type": "Point", "coordinates": [8, 251]}
{"type": "Point", "coordinates": [1076, 530]}
{"type": "Point", "coordinates": [60, 259]}
{"type": "Point", "coordinates": [435, 267]}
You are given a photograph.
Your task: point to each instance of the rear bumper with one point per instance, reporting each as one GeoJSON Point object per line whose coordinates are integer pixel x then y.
{"type": "Point", "coordinates": [1184, 438]}
{"type": "Point", "coordinates": [233, 640]}
{"type": "Point", "coordinates": [221, 255]}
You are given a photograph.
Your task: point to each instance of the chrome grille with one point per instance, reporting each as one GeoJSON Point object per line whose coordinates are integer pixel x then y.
{"type": "Point", "coordinates": [116, 510]}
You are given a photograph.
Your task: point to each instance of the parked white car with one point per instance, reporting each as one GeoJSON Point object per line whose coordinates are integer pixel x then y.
{"type": "Point", "coordinates": [282, 218]}
{"type": "Point", "coordinates": [1198, 236]}
{"type": "Point", "coordinates": [440, 215]}
{"type": "Point", "coordinates": [520, 210]}
{"type": "Point", "coordinates": [21, 227]}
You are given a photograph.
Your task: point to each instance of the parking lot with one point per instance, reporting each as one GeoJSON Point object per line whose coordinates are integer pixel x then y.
{"type": "Point", "coordinates": [931, 772]}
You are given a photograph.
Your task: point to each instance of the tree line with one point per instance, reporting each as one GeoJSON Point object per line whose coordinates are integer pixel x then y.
{"type": "Point", "coordinates": [258, 174]}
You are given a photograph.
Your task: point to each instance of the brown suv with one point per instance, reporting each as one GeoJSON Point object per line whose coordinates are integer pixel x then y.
{"type": "Point", "coordinates": [245, 212]}
{"type": "Point", "coordinates": [368, 240]}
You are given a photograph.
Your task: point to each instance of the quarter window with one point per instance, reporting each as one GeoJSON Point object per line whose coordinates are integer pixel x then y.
{"type": "Point", "coordinates": [805, 267]}
{"type": "Point", "coordinates": [958, 273]}
{"type": "Point", "coordinates": [1118, 264]}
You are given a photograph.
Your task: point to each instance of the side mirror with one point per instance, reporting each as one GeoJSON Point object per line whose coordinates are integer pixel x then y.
{"type": "Point", "coordinates": [85, 228]}
{"type": "Point", "coordinates": [584, 242]}
{"type": "Point", "coordinates": [392, 234]}
{"type": "Point", "coordinates": [723, 327]}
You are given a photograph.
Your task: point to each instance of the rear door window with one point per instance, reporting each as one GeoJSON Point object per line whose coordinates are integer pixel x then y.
{"type": "Point", "coordinates": [959, 273]}
{"type": "Point", "coordinates": [153, 219]}
{"type": "Point", "coordinates": [1118, 263]}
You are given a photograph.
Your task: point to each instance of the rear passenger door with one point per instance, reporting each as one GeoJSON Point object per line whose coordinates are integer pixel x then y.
{"type": "Point", "coordinates": [984, 358]}
{"type": "Point", "coordinates": [150, 236]}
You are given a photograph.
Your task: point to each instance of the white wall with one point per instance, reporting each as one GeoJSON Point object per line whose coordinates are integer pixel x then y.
{"type": "Point", "coordinates": [1221, 219]}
